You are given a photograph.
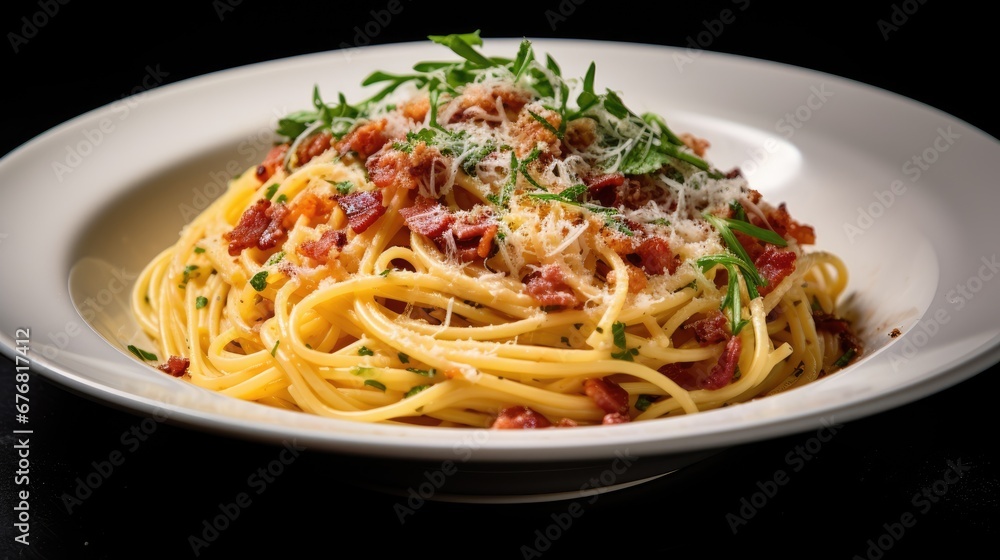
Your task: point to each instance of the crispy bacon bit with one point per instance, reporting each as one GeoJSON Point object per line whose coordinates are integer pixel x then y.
{"type": "Point", "coordinates": [416, 109]}
{"type": "Point", "coordinates": [312, 147]}
{"type": "Point", "coordinates": [697, 145]}
{"type": "Point", "coordinates": [842, 328]}
{"type": "Point", "coordinates": [783, 225]}
{"type": "Point", "coordinates": [260, 226]}
{"type": "Point", "coordinates": [478, 100]}
{"type": "Point", "coordinates": [655, 256]}
{"type": "Point", "coordinates": [319, 249]}
{"type": "Point", "coordinates": [529, 133]}
{"type": "Point", "coordinates": [598, 182]}
{"type": "Point", "coordinates": [274, 159]}
{"type": "Point", "coordinates": [364, 140]}
{"type": "Point", "coordinates": [404, 169]}
{"type": "Point", "coordinates": [520, 418]}
{"type": "Point", "coordinates": [711, 329]}
{"type": "Point", "coordinates": [475, 239]}
{"type": "Point", "coordinates": [697, 375]}
{"type": "Point", "coordinates": [607, 395]}
{"type": "Point", "coordinates": [362, 209]}
{"type": "Point", "coordinates": [175, 365]}
{"type": "Point", "coordinates": [774, 265]}
{"type": "Point", "coordinates": [314, 208]}
{"type": "Point", "coordinates": [547, 287]}
{"type": "Point", "coordinates": [427, 217]}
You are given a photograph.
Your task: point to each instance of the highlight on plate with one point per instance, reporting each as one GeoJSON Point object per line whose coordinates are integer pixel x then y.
{"type": "Point", "coordinates": [485, 242]}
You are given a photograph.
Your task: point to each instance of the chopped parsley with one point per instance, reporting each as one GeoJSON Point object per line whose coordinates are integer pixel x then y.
{"type": "Point", "coordinates": [259, 281]}
{"type": "Point", "coordinates": [271, 189]}
{"type": "Point", "coordinates": [200, 301]}
{"type": "Point", "coordinates": [375, 384]}
{"type": "Point", "coordinates": [624, 353]}
{"type": "Point", "coordinates": [415, 390]}
{"type": "Point", "coordinates": [365, 351]}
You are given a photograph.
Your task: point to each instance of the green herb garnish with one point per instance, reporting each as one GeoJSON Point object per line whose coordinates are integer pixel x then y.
{"type": "Point", "coordinates": [142, 354]}
{"type": "Point", "coordinates": [259, 281]}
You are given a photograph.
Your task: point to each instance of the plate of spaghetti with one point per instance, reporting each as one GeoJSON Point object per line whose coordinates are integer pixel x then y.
{"type": "Point", "coordinates": [517, 255]}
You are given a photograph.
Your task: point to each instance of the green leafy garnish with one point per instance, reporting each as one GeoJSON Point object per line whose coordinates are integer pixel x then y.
{"type": "Point", "coordinates": [415, 390]}
{"type": "Point", "coordinates": [365, 351]}
{"type": "Point", "coordinates": [271, 189]}
{"type": "Point", "coordinates": [275, 258]}
{"type": "Point", "coordinates": [200, 301]}
{"type": "Point", "coordinates": [274, 349]}
{"type": "Point", "coordinates": [738, 261]}
{"type": "Point", "coordinates": [259, 281]}
{"type": "Point", "coordinates": [425, 372]}
{"type": "Point", "coordinates": [142, 354]}
{"type": "Point", "coordinates": [618, 334]}
{"type": "Point", "coordinates": [375, 384]}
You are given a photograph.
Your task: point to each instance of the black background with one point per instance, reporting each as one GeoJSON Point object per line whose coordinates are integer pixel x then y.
{"type": "Point", "coordinates": [852, 493]}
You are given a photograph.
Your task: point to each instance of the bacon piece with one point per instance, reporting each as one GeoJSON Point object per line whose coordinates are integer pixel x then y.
{"type": "Point", "coordinates": [275, 231]}
{"type": "Point", "coordinates": [475, 239]}
{"type": "Point", "coordinates": [849, 341]}
{"type": "Point", "coordinates": [175, 365]}
{"type": "Point", "coordinates": [364, 140]}
{"type": "Point", "coordinates": [655, 256]}
{"type": "Point", "coordinates": [783, 225]}
{"type": "Point", "coordinates": [711, 329]}
{"type": "Point", "coordinates": [315, 208]}
{"type": "Point", "coordinates": [362, 209]}
{"type": "Point", "coordinates": [697, 145]}
{"type": "Point", "coordinates": [272, 161]}
{"type": "Point", "coordinates": [319, 249]}
{"type": "Point", "coordinates": [427, 217]}
{"type": "Point", "coordinates": [774, 265]}
{"type": "Point", "coordinates": [697, 375]}
{"type": "Point", "coordinates": [403, 169]}
{"type": "Point", "coordinates": [607, 395]}
{"type": "Point", "coordinates": [547, 287]}
{"type": "Point", "coordinates": [312, 147]}
{"type": "Point", "coordinates": [260, 226]}
{"type": "Point", "coordinates": [520, 418]}
{"type": "Point", "coordinates": [416, 109]}
{"type": "Point", "coordinates": [598, 182]}
{"type": "Point", "coordinates": [483, 100]}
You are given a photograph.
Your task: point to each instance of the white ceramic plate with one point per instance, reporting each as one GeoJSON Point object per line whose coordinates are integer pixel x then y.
{"type": "Point", "coordinates": [900, 190]}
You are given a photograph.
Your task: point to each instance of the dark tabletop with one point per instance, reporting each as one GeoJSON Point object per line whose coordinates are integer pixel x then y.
{"type": "Point", "coordinates": [103, 482]}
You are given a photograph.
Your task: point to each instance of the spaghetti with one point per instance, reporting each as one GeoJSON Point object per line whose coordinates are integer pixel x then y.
{"type": "Point", "coordinates": [469, 248]}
